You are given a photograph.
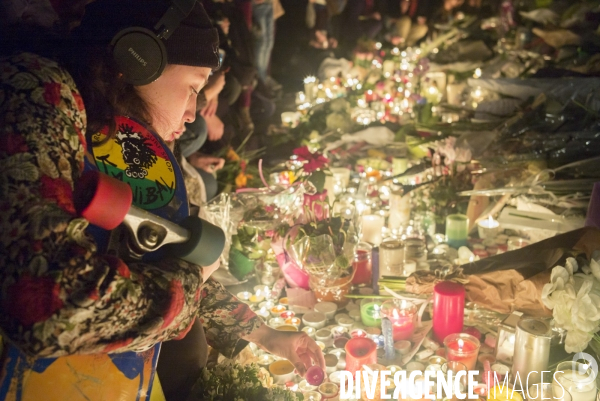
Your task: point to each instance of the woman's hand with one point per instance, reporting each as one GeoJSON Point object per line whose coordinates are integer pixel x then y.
{"type": "Point", "coordinates": [296, 347]}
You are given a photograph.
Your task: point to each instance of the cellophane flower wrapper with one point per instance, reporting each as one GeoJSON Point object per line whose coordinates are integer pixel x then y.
{"type": "Point", "coordinates": [515, 280]}
{"type": "Point", "coordinates": [218, 212]}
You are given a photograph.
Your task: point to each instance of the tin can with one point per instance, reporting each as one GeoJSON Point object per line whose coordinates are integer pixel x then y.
{"type": "Point", "coordinates": [532, 349]}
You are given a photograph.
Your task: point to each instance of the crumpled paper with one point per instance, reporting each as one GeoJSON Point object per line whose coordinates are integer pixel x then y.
{"type": "Point", "coordinates": [514, 280]}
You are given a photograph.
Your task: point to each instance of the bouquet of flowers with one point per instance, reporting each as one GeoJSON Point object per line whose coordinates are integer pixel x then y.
{"type": "Point", "coordinates": [234, 382]}
{"type": "Point", "coordinates": [574, 298]}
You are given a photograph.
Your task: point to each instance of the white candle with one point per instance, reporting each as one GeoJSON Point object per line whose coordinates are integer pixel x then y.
{"type": "Point", "coordinates": [488, 228]}
{"type": "Point", "coordinates": [582, 387]}
{"type": "Point", "coordinates": [372, 224]}
{"type": "Point", "coordinates": [309, 87]}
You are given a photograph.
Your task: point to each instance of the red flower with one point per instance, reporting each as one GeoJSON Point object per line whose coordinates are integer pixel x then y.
{"type": "Point", "coordinates": [175, 304]}
{"type": "Point", "coordinates": [118, 265]}
{"type": "Point", "coordinates": [60, 191]}
{"type": "Point", "coordinates": [33, 299]}
{"type": "Point", "coordinates": [52, 93]}
{"type": "Point", "coordinates": [78, 100]}
{"type": "Point", "coordinates": [314, 161]}
{"type": "Point", "coordinates": [117, 345]}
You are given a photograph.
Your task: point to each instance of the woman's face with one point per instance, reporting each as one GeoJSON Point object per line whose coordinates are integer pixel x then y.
{"type": "Point", "coordinates": [172, 98]}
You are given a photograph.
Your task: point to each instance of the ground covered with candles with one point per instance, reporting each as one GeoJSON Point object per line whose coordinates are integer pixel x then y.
{"type": "Point", "coordinates": [431, 209]}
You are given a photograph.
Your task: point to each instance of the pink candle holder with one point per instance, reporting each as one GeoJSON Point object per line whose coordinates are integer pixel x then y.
{"type": "Point", "coordinates": [403, 315]}
{"type": "Point", "coordinates": [359, 352]}
{"type": "Point", "coordinates": [462, 348]}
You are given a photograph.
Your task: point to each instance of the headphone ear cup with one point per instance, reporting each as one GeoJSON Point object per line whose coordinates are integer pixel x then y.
{"type": "Point", "coordinates": [140, 56]}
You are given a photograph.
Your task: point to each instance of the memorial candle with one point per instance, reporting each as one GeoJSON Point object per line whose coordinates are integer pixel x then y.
{"type": "Point", "coordinates": [462, 348]}
{"type": "Point", "coordinates": [448, 309]}
{"type": "Point", "coordinates": [359, 352]}
{"type": "Point", "coordinates": [576, 378]}
{"type": "Point", "coordinates": [362, 264]}
{"type": "Point", "coordinates": [372, 224]}
{"type": "Point", "coordinates": [370, 312]}
{"type": "Point", "coordinates": [457, 229]}
{"type": "Point", "coordinates": [403, 316]}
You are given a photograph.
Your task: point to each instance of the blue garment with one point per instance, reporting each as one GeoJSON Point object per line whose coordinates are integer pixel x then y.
{"type": "Point", "coordinates": [264, 36]}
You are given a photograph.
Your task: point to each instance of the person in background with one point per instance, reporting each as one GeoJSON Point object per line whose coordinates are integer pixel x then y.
{"type": "Point", "coordinates": [360, 18]}
{"type": "Point", "coordinates": [408, 21]}
{"type": "Point", "coordinates": [53, 273]}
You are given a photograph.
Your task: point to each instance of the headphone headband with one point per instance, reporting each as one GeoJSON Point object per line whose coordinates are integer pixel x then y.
{"type": "Point", "coordinates": [176, 13]}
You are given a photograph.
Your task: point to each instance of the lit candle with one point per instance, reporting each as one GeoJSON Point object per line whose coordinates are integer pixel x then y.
{"type": "Point", "coordinates": [370, 312]}
{"type": "Point", "coordinates": [294, 321]}
{"type": "Point", "coordinates": [448, 309]}
{"type": "Point", "coordinates": [457, 229]}
{"type": "Point", "coordinates": [578, 379]}
{"type": "Point", "coordinates": [257, 297]}
{"type": "Point", "coordinates": [310, 331]}
{"type": "Point", "coordinates": [488, 228]}
{"type": "Point", "coordinates": [309, 88]}
{"type": "Point", "coordinates": [462, 348]}
{"type": "Point", "coordinates": [244, 296]}
{"type": "Point", "coordinates": [282, 371]}
{"type": "Point", "coordinates": [359, 352]}
{"type": "Point", "coordinates": [403, 316]}
{"type": "Point", "coordinates": [277, 310]}
{"type": "Point", "coordinates": [402, 347]}
{"type": "Point", "coordinates": [372, 224]}
{"type": "Point", "coordinates": [276, 322]}
{"type": "Point", "coordinates": [263, 312]}
{"type": "Point", "coordinates": [287, 314]}
{"type": "Point", "coordinates": [358, 333]}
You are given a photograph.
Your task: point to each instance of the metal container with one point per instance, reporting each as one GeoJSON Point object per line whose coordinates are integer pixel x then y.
{"type": "Point", "coordinates": [532, 349]}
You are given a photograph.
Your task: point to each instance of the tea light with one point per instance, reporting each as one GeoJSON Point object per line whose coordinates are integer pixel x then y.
{"type": "Point", "coordinates": [312, 395]}
{"type": "Point", "coordinates": [358, 333]}
{"type": "Point", "coordinates": [264, 289]}
{"type": "Point", "coordinates": [500, 370]}
{"type": "Point", "coordinates": [328, 390]}
{"type": "Point", "coordinates": [346, 322]}
{"type": "Point", "coordinates": [310, 331]}
{"type": "Point", "coordinates": [339, 331]}
{"type": "Point", "coordinates": [263, 312]}
{"type": "Point", "coordinates": [257, 297]}
{"type": "Point", "coordinates": [303, 387]}
{"type": "Point", "coordinates": [283, 301]}
{"type": "Point", "coordinates": [293, 321]}
{"type": "Point", "coordinates": [434, 368]}
{"type": "Point", "coordinates": [331, 362]}
{"type": "Point", "coordinates": [355, 315]}
{"type": "Point", "coordinates": [412, 366]}
{"type": "Point", "coordinates": [462, 348]}
{"type": "Point", "coordinates": [341, 355]}
{"type": "Point", "coordinates": [436, 360]}
{"type": "Point", "coordinates": [373, 332]}
{"type": "Point", "coordinates": [321, 345]}
{"type": "Point", "coordinates": [326, 308]}
{"type": "Point", "coordinates": [277, 310]}
{"type": "Point", "coordinates": [266, 359]}
{"type": "Point", "coordinates": [402, 347]}
{"type": "Point", "coordinates": [352, 306]}
{"type": "Point", "coordinates": [287, 314]}
{"type": "Point", "coordinates": [393, 369]}
{"type": "Point", "coordinates": [314, 319]}
{"type": "Point", "coordinates": [372, 224]}
{"type": "Point", "coordinates": [480, 390]}
{"type": "Point", "coordinates": [340, 342]}
{"type": "Point", "coordinates": [323, 335]}
{"type": "Point", "coordinates": [340, 316]}
{"type": "Point", "coordinates": [334, 377]}
{"type": "Point", "coordinates": [244, 296]}
{"type": "Point", "coordinates": [282, 371]}
{"type": "Point", "coordinates": [266, 304]}
{"type": "Point", "coordinates": [488, 228]}
{"type": "Point", "coordinates": [276, 322]}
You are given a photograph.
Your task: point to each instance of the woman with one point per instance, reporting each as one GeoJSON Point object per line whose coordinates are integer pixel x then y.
{"type": "Point", "coordinates": [59, 295]}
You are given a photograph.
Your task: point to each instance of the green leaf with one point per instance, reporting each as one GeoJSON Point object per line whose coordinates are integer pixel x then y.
{"type": "Point", "coordinates": [24, 81]}
{"type": "Point", "coordinates": [317, 178]}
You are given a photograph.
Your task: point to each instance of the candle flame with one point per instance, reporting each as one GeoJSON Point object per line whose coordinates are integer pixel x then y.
{"type": "Point", "coordinates": [461, 343]}
{"type": "Point", "coordinates": [395, 313]}
{"type": "Point", "coordinates": [258, 293]}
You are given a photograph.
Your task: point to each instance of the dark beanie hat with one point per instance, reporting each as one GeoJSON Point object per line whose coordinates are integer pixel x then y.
{"type": "Point", "coordinates": [194, 42]}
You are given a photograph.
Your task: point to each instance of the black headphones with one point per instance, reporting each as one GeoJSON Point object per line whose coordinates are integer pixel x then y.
{"type": "Point", "coordinates": [140, 54]}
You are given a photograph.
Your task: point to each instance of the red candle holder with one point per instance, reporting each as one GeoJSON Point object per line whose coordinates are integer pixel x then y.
{"type": "Point", "coordinates": [362, 264]}
{"type": "Point", "coordinates": [462, 348]}
{"type": "Point", "coordinates": [403, 315]}
{"type": "Point", "coordinates": [359, 352]}
{"type": "Point", "coordinates": [448, 309]}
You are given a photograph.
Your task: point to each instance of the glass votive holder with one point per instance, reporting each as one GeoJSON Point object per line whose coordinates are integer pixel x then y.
{"type": "Point", "coordinates": [268, 272]}
{"type": "Point", "coordinates": [457, 229]}
{"type": "Point", "coordinates": [312, 396]}
{"type": "Point", "coordinates": [362, 264]}
{"type": "Point", "coordinates": [391, 256]}
{"type": "Point", "coordinates": [370, 312]}
{"type": "Point", "coordinates": [516, 243]}
{"type": "Point", "coordinates": [577, 379]}
{"type": "Point", "coordinates": [403, 316]}
{"type": "Point", "coordinates": [463, 348]}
